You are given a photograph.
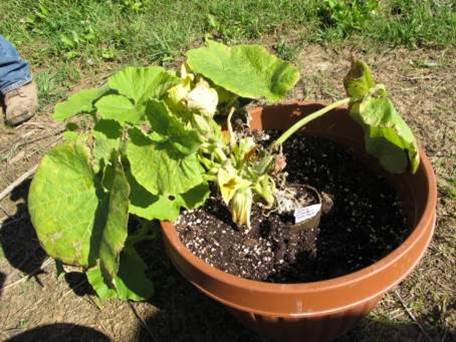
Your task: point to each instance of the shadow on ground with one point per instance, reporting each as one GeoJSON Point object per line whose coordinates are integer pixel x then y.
{"type": "Point", "coordinates": [22, 249]}
{"type": "Point", "coordinates": [2, 281]}
{"type": "Point", "coordinates": [184, 313]}
{"type": "Point", "coordinates": [18, 238]}
{"type": "Point", "coordinates": [371, 330]}
{"type": "Point", "coordinates": [60, 332]}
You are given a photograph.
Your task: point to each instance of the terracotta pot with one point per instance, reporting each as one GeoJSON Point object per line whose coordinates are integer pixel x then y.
{"type": "Point", "coordinates": [321, 310]}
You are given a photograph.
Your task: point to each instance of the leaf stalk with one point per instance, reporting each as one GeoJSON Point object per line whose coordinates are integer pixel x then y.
{"type": "Point", "coordinates": [305, 120]}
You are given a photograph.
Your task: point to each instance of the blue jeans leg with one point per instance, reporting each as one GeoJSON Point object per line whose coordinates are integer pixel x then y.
{"type": "Point", "coordinates": [14, 71]}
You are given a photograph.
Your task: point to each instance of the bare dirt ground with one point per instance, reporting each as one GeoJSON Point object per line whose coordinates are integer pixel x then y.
{"type": "Point", "coordinates": [37, 305]}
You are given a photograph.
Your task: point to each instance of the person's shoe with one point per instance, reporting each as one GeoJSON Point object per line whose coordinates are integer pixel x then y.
{"type": "Point", "coordinates": [21, 104]}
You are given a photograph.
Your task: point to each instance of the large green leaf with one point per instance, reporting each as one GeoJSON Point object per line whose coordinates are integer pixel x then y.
{"type": "Point", "coordinates": [81, 102]}
{"type": "Point", "coordinates": [140, 84]}
{"type": "Point", "coordinates": [160, 207]}
{"type": "Point", "coordinates": [149, 206]}
{"type": "Point", "coordinates": [120, 109]}
{"type": "Point", "coordinates": [183, 139]}
{"type": "Point", "coordinates": [63, 203]}
{"type": "Point", "coordinates": [246, 70]}
{"type": "Point", "coordinates": [160, 168]}
{"type": "Point", "coordinates": [196, 196]}
{"type": "Point", "coordinates": [131, 282]}
{"type": "Point", "coordinates": [107, 135]}
{"type": "Point", "coordinates": [115, 229]}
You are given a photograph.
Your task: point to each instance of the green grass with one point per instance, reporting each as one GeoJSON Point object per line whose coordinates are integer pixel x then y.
{"type": "Point", "coordinates": [452, 186]}
{"type": "Point", "coordinates": [155, 30]}
{"type": "Point", "coordinates": [66, 40]}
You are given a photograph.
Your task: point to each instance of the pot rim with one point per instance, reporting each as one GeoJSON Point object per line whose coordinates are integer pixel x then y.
{"type": "Point", "coordinates": [425, 220]}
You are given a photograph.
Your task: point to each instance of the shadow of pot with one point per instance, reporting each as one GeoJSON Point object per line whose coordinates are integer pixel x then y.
{"type": "Point", "coordinates": [320, 310]}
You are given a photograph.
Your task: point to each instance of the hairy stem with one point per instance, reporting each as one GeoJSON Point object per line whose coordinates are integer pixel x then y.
{"type": "Point", "coordinates": [305, 120]}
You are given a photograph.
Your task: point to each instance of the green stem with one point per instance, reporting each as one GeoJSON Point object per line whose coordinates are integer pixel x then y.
{"type": "Point", "coordinates": [220, 154]}
{"type": "Point", "coordinates": [305, 120]}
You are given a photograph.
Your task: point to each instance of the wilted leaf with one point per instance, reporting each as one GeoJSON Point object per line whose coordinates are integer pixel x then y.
{"type": "Point", "coordinates": [241, 206]}
{"type": "Point", "coordinates": [131, 282]}
{"type": "Point", "coordinates": [359, 81]}
{"type": "Point", "coordinates": [115, 230]}
{"type": "Point", "coordinates": [392, 158]}
{"type": "Point", "coordinates": [387, 136]}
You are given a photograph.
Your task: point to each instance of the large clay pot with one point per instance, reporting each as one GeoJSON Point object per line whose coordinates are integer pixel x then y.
{"type": "Point", "coordinates": [321, 310]}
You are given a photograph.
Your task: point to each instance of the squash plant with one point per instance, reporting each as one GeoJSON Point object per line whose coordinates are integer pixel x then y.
{"type": "Point", "coordinates": [155, 144]}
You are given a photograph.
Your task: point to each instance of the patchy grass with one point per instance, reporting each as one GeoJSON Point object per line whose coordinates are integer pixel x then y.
{"type": "Point", "coordinates": [67, 40]}
{"type": "Point", "coordinates": [155, 30]}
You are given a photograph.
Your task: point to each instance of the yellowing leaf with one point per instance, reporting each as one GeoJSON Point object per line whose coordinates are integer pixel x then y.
{"type": "Point", "coordinates": [75, 220]}
{"type": "Point", "coordinates": [63, 202]}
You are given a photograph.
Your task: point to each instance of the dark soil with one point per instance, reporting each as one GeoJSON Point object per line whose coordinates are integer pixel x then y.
{"type": "Point", "coordinates": [365, 223]}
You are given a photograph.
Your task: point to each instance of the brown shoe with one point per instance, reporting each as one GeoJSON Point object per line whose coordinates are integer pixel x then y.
{"type": "Point", "coordinates": [21, 104]}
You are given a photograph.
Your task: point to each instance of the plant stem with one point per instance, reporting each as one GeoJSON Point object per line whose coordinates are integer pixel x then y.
{"type": "Point", "coordinates": [305, 120]}
{"type": "Point", "coordinates": [220, 154]}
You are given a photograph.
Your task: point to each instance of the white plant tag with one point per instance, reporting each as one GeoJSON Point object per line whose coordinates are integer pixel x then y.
{"type": "Point", "coordinates": [305, 213]}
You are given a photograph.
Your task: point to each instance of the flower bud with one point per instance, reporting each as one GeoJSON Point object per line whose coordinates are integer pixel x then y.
{"type": "Point", "coordinates": [203, 99]}
{"type": "Point", "coordinates": [265, 187]}
{"type": "Point", "coordinates": [241, 206]}
{"type": "Point", "coordinates": [244, 147]}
